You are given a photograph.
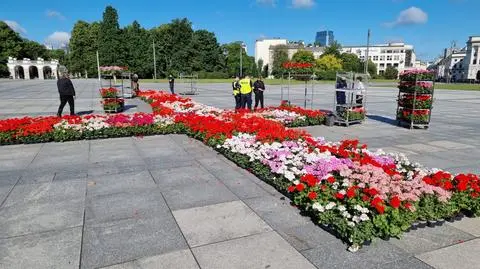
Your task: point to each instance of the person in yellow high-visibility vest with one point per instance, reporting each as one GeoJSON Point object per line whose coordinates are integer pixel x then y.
{"type": "Point", "coordinates": [236, 93]}
{"type": "Point", "coordinates": [246, 87]}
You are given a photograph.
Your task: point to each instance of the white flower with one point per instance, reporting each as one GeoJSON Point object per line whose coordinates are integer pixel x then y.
{"type": "Point", "coordinates": [330, 205]}
{"type": "Point", "coordinates": [318, 207]}
{"type": "Point", "coordinates": [342, 208]}
{"type": "Point", "coordinates": [351, 224]}
{"type": "Point", "coordinates": [364, 217]}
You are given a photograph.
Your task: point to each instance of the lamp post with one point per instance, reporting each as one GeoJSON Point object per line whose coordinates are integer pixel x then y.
{"type": "Point", "coordinates": [242, 46]}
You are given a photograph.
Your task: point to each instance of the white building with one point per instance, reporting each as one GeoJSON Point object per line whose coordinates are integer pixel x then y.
{"type": "Point", "coordinates": [262, 48]}
{"type": "Point", "coordinates": [471, 68]}
{"type": "Point", "coordinates": [28, 69]}
{"type": "Point", "coordinates": [398, 55]}
{"type": "Point", "coordinates": [451, 66]}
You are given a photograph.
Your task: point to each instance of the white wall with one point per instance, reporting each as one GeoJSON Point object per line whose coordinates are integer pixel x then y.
{"type": "Point", "coordinates": [262, 48]}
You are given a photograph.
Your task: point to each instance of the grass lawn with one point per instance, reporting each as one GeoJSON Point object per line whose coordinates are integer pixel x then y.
{"type": "Point", "coordinates": [267, 81]}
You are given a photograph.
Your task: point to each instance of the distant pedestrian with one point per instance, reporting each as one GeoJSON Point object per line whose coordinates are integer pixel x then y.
{"type": "Point", "coordinates": [258, 89]}
{"type": "Point", "coordinates": [67, 93]}
{"type": "Point", "coordinates": [136, 86]}
{"type": "Point", "coordinates": [171, 83]}
{"type": "Point", "coordinates": [236, 93]}
{"type": "Point", "coordinates": [246, 86]}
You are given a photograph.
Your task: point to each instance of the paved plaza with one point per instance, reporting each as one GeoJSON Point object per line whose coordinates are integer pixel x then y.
{"type": "Point", "coordinates": [171, 202]}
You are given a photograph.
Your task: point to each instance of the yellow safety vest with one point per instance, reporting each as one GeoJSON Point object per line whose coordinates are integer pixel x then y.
{"type": "Point", "coordinates": [245, 87]}
{"type": "Point", "coordinates": [236, 91]}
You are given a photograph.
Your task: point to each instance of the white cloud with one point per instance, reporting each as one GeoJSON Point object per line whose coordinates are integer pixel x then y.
{"type": "Point", "coordinates": [58, 39]}
{"type": "Point", "coordinates": [54, 14]}
{"type": "Point", "coordinates": [412, 15]}
{"type": "Point", "coordinates": [15, 26]}
{"type": "Point", "coordinates": [266, 2]}
{"type": "Point", "coordinates": [303, 3]}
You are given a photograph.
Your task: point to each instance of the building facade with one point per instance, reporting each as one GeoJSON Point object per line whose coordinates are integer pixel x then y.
{"type": "Point", "coordinates": [262, 49]}
{"type": "Point", "coordinates": [398, 55]}
{"type": "Point", "coordinates": [324, 38]}
{"type": "Point", "coordinates": [471, 70]}
{"type": "Point", "coordinates": [28, 69]}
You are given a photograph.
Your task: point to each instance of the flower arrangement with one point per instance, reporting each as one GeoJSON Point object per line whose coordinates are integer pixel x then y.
{"type": "Point", "coordinates": [353, 114]}
{"type": "Point", "coordinates": [295, 65]}
{"type": "Point", "coordinates": [418, 101]}
{"type": "Point", "coordinates": [415, 116]}
{"type": "Point", "coordinates": [109, 92]}
{"type": "Point", "coordinates": [113, 104]}
{"type": "Point", "coordinates": [417, 75]}
{"type": "Point", "coordinates": [421, 87]}
{"type": "Point", "coordinates": [356, 193]}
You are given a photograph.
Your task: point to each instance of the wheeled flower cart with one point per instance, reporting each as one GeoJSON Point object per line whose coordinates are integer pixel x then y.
{"type": "Point", "coordinates": [415, 98]}
{"type": "Point", "coordinates": [112, 98]}
{"type": "Point", "coordinates": [350, 98]}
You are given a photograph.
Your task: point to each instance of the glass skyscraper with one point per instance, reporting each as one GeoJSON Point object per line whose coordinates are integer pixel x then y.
{"type": "Point", "coordinates": [324, 38]}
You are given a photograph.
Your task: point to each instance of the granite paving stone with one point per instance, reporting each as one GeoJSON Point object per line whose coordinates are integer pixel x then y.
{"type": "Point", "coordinates": [196, 195]}
{"type": "Point", "coordinates": [96, 169]}
{"type": "Point", "coordinates": [306, 236]}
{"type": "Point", "coordinates": [427, 239]}
{"type": "Point", "coordinates": [335, 255]}
{"type": "Point", "coordinates": [109, 184]}
{"type": "Point", "coordinates": [461, 256]}
{"type": "Point", "coordinates": [182, 259]}
{"type": "Point", "coordinates": [129, 239]}
{"type": "Point", "coordinates": [219, 222]}
{"type": "Point", "coordinates": [409, 263]}
{"type": "Point", "coordinates": [57, 249]}
{"type": "Point", "coordinates": [467, 225]}
{"type": "Point", "coordinates": [266, 250]}
{"type": "Point", "coordinates": [181, 176]}
{"type": "Point", "coordinates": [279, 214]}
{"type": "Point", "coordinates": [134, 204]}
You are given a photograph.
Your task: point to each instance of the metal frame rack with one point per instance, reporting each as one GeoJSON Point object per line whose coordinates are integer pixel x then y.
{"type": "Point", "coordinates": [412, 108]}
{"type": "Point", "coordinates": [350, 95]}
{"type": "Point", "coordinates": [109, 78]}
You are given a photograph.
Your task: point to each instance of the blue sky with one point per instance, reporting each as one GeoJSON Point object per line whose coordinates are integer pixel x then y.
{"type": "Point", "coordinates": [429, 25]}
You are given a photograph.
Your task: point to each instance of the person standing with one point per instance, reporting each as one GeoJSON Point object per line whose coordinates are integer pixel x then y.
{"type": "Point", "coordinates": [236, 93]}
{"type": "Point", "coordinates": [246, 86]}
{"type": "Point", "coordinates": [171, 83]}
{"type": "Point", "coordinates": [136, 87]}
{"type": "Point", "coordinates": [67, 93]}
{"type": "Point", "coordinates": [258, 89]}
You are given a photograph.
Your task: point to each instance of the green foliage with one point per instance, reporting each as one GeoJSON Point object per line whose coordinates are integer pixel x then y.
{"type": "Point", "coordinates": [303, 56]}
{"type": "Point", "coordinates": [391, 73]}
{"type": "Point", "coordinates": [328, 63]}
{"type": "Point", "coordinates": [232, 58]}
{"type": "Point", "coordinates": [372, 68]}
{"type": "Point", "coordinates": [207, 53]}
{"type": "Point", "coordinates": [350, 62]}
{"type": "Point", "coordinates": [260, 67]}
{"type": "Point", "coordinates": [83, 48]}
{"type": "Point", "coordinates": [265, 71]}
{"type": "Point", "coordinates": [334, 49]}
{"type": "Point", "coordinates": [137, 50]}
{"type": "Point", "coordinates": [280, 56]}
{"type": "Point", "coordinates": [109, 39]}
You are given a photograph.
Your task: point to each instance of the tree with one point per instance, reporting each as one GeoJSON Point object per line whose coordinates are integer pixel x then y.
{"type": "Point", "coordinates": [329, 63]}
{"type": "Point", "coordinates": [232, 58]}
{"type": "Point", "coordinates": [391, 73]}
{"type": "Point", "coordinates": [207, 53]}
{"type": "Point", "coordinates": [83, 48]}
{"type": "Point", "coordinates": [303, 56]}
{"type": "Point", "coordinates": [109, 45]}
{"type": "Point", "coordinates": [260, 67]}
{"type": "Point", "coordinates": [372, 68]}
{"type": "Point", "coordinates": [265, 71]}
{"type": "Point", "coordinates": [333, 49]}
{"type": "Point", "coordinates": [10, 46]}
{"type": "Point", "coordinates": [33, 50]}
{"type": "Point", "coordinates": [350, 62]}
{"type": "Point", "coordinates": [280, 56]}
{"type": "Point", "coordinates": [138, 51]}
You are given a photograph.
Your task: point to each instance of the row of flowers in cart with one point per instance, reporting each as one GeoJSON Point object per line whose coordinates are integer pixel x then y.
{"type": "Point", "coordinates": [358, 193]}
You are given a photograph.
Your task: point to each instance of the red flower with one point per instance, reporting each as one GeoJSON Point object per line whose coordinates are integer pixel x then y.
{"type": "Point", "coordinates": [331, 180]}
{"type": "Point", "coordinates": [380, 208]}
{"type": "Point", "coordinates": [474, 194]}
{"type": "Point", "coordinates": [365, 198]}
{"type": "Point", "coordinates": [351, 192]}
{"type": "Point", "coordinates": [395, 202]}
{"type": "Point", "coordinates": [372, 191]}
{"type": "Point", "coordinates": [323, 187]}
{"type": "Point", "coordinates": [339, 196]}
{"type": "Point", "coordinates": [291, 188]}
{"type": "Point", "coordinates": [311, 180]}
{"type": "Point", "coordinates": [300, 187]}
{"type": "Point", "coordinates": [312, 195]}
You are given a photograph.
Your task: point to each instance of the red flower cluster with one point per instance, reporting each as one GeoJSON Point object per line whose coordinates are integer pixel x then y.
{"type": "Point", "coordinates": [108, 92]}
{"type": "Point", "coordinates": [468, 183]}
{"type": "Point", "coordinates": [294, 65]}
{"type": "Point", "coordinates": [440, 179]}
{"type": "Point", "coordinates": [304, 112]}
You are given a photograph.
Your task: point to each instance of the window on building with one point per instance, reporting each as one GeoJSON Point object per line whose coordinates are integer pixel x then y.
{"type": "Point", "coordinates": [389, 64]}
{"type": "Point", "coordinates": [456, 60]}
{"type": "Point", "coordinates": [396, 57]}
{"type": "Point", "coordinates": [389, 57]}
{"type": "Point", "coordinates": [389, 51]}
{"type": "Point", "coordinates": [460, 67]}
{"type": "Point", "coordinates": [375, 58]}
{"type": "Point", "coordinates": [382, 51]}
{"type": "Point", "coordinates": [362, 58]}
{"type": "Point", "coordinates": [382, 65]}
{"type": "Point", "coordinates": [381, 72]}
{"type": "Point", "coordinates": [474, 61]}
{"type": "Point", "coordinates": [382, 58]}
{"type": "Point", "coordinates": [395, 65]}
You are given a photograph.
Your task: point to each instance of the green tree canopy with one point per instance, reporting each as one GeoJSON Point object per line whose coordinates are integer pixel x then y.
{"type": "Point", "coordinates": [303, 56]}
{"type": "Point", "coordinates": [334, 49]}
{"type": "Point", "coordinates": [280, 56]}
{"type": "Point", "coordinates": [350, 62]}
{"type": "Point", "coordinates": [372, 68]}
{"type": "Point", "coordinates": [109, 44]}
{"type": "Point", "coordinates": [329, 63]}
{"type": "Point", "coordinates": [391, 73]}
{"type": "Point", "coordinates": [83, 48]}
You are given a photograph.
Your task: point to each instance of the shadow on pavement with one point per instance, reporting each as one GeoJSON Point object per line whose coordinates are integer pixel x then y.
{"type": "Point", "coordinates": [383, 119]}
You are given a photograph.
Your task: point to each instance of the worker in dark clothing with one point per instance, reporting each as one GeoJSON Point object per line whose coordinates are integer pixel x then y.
{"type": "Point", "coordinates": [258, 89]}
{"type": "Point", "coordinates": [236, 93]}
{"type": "Point", "coordinates": [246, 86]}
{"type": "Point", "coordinates": [67, 93]}
{"type": "Point", "coordinates": [171, 83]}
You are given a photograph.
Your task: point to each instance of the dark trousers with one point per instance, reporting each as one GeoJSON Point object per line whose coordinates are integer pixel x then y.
{"type": "Point", "coordinates": [63, 101]}
{"type": "Point", "coordinates": [246, 100]}
{"type": "Point", "coordinates": [238, 101]}
{"type": "Point", "coordinates": [171, 89]}
{"type": "Point", "coordinates": [258, 98]}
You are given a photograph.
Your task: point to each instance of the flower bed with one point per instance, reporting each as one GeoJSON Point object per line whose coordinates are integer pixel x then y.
{"type": "Point", "coordinates": [422, 87]}
{"type": "Point", "coordinates": [356, 193]}
{"type": "Point", "coordinates": [420, 101]}
{"type": "Point", "coordinates": [415, 116]}
{"type": "Point", "coordinates": [417, 75]}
